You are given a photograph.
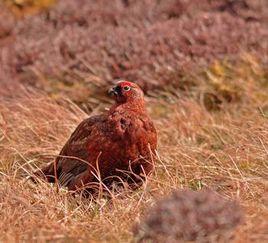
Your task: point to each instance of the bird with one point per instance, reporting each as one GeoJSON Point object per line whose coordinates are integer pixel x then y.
{"type": "Point", "coordinates": [116, 146]}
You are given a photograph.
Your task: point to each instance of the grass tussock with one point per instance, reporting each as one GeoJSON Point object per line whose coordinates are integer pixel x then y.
{"type": "Point", "coordinates": [224, 149]}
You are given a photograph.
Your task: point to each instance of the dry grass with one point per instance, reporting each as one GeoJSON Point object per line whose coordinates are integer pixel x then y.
{"type": "Point", "coordinates": [225, 149]}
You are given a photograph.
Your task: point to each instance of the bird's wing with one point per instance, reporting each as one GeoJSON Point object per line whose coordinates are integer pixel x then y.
{"type": "Point", "coordinates": [72, 160]}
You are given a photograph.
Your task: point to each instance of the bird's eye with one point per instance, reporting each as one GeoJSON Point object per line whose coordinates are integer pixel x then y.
{"type": "Point", "coordinates": [126, 88]}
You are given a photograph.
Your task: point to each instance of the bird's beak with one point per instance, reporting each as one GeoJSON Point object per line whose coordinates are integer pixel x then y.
{"type": "Point", "coordinates": [114, 91]}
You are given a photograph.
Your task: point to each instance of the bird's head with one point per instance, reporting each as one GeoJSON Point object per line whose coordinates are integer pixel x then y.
{"type": "Point", "coordinates": [125, 91]}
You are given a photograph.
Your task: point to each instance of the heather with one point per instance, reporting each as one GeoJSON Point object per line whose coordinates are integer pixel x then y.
{"type": "Point", "coordinates": [153, 42]}
{"type": "Point", "coordinates": [186, 215]}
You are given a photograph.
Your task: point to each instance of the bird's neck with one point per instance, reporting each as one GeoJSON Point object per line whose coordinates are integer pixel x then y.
{"type": "Point", "coordinates": [137, 106]}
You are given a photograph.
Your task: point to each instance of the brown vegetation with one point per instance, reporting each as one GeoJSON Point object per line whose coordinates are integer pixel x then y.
{"type": "Point", "coordinates": [201, 216]}
{"type": "Point", "coordinates": [153, 42]}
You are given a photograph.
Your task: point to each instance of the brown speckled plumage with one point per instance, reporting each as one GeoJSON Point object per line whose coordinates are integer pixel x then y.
{"type": "Point", "coordinates": [115, 145]}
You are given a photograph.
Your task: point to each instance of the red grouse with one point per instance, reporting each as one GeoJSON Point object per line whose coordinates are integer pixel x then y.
{"type": "Point", "coordinates": [115, 146]}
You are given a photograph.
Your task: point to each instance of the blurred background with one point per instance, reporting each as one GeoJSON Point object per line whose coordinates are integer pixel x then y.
{"type": "Point", "coordinates": [76, 48]}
